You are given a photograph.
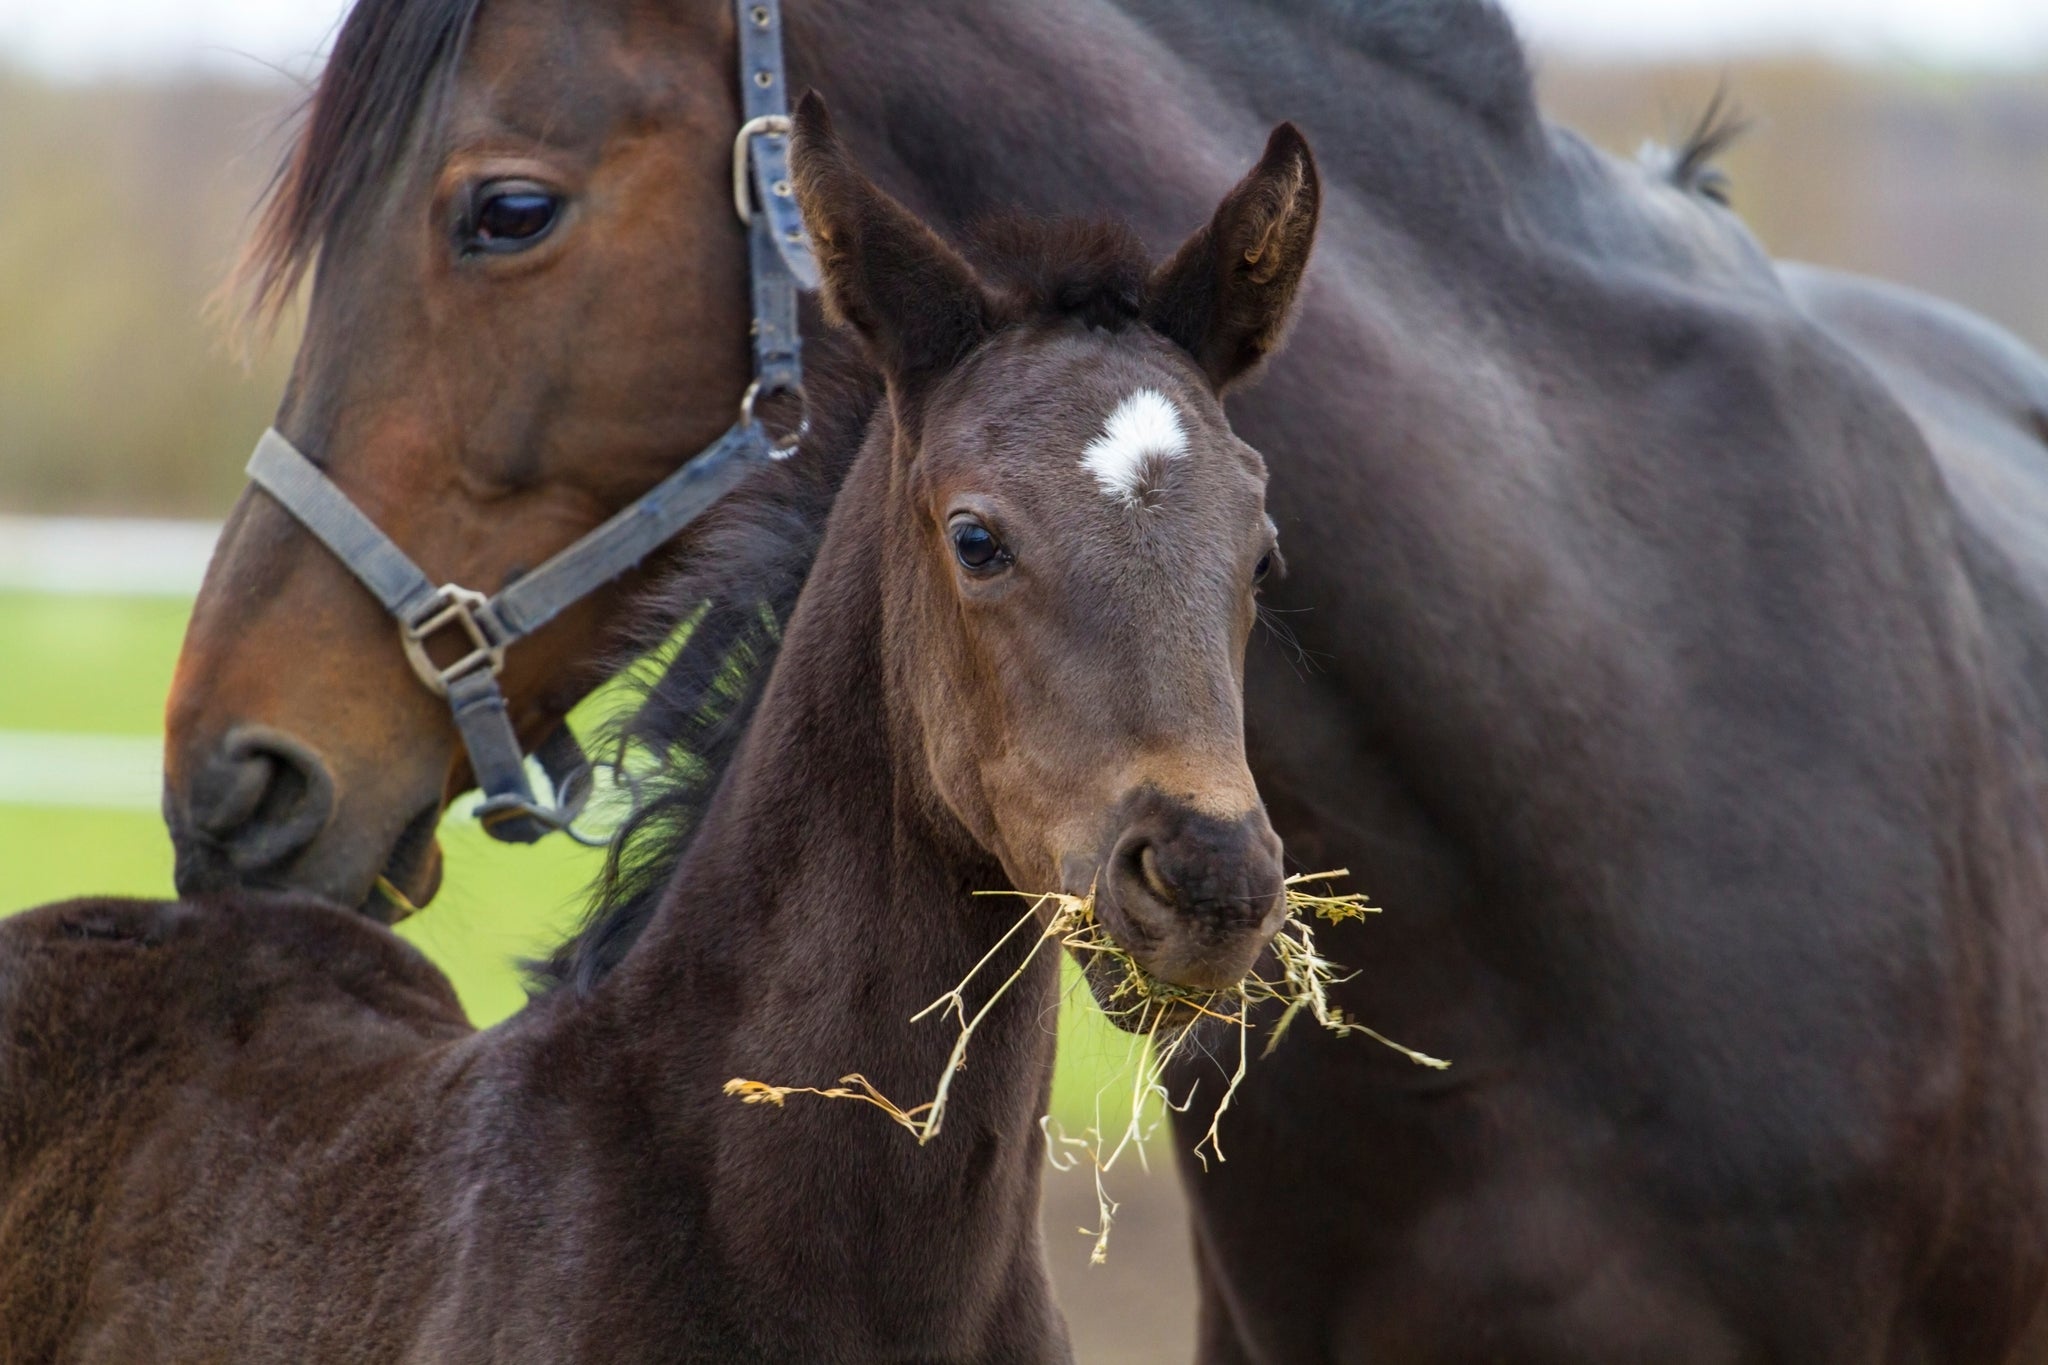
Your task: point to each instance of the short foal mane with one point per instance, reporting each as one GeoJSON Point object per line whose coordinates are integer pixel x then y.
{"type": "Point", "coordinates": [751, 554]}
{"type": "Point", "coordinates": [392, 60]}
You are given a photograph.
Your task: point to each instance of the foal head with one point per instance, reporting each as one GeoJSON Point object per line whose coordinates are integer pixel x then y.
{"type": "Point", "coordinates": [1075, 539]}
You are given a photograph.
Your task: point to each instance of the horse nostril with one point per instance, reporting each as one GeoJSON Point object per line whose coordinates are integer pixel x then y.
{"type": "Point", "coordinates": [233, 787]}
{"type": "Point", "coordinates": [1198, 872]}
{"type": "Point", "coordinates": [1187, 895]}
{"type": "Point", "coordinates": [262, 800]}
{"type": "Point", "coordinates": [1155, 880]}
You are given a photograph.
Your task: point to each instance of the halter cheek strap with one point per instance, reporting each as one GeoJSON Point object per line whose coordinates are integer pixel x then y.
{"type": "Point", "coordinates": [781, 264]}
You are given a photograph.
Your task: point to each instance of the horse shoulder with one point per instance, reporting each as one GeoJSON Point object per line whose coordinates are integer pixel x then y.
{"type": "Point", "coordinates": [1979, 397]}
{"type": "Point", "coordinates": [1913, 336]}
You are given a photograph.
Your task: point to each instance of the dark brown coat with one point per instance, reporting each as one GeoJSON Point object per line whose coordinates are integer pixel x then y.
{"type": "Point", "coordinates": [1671, 643]}
{"type": "Point", "coordinates": [259, 1130]}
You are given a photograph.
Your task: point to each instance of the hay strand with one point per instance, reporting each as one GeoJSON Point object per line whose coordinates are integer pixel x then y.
{"type": "Point", "coordinates": [1162, 1019]}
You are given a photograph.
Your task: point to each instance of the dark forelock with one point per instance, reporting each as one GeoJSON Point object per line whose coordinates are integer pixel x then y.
{"type": "Point", "coordinates": [391, 64]}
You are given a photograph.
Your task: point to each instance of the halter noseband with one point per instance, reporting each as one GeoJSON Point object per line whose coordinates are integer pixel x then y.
{"type": "Point", "coordinates": [780, 262]}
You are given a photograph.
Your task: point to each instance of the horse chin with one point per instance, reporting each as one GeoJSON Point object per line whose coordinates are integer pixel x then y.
{"type": "Point", "coordinates": [1138, 1002]}
{"type": "Point", "coordinates": [1168, 971]}
{"type": "Point", "coordinates": [412, 873]}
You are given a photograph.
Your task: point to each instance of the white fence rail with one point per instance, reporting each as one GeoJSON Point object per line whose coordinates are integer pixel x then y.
{"type": "Point", "coordinates": [81, 772]}
{"type": "Point", "coordinates": [106, 557]}
{"type": "Point", "coordinates": [113, 557]}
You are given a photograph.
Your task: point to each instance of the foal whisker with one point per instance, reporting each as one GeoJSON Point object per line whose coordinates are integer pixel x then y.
{"type": "Point", "coordinates": [1303, 661]}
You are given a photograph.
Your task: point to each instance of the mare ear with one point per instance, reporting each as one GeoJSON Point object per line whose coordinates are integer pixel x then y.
{"type": "Point", "coordinates": [913, 301]}
{"type": "Point", "coordinates": [1228, 293]}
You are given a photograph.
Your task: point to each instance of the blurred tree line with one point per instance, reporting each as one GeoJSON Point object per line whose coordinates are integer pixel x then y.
{"type": "Point", "coordinates": [122, 205]}
{"type": "Point", "coordinates": [121, 208]}
{"type": "Point", "coordinates": [1933, 179]}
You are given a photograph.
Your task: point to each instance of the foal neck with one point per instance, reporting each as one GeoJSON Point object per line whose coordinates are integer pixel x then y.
{"type": "Point", "coordinates": [825, 899]}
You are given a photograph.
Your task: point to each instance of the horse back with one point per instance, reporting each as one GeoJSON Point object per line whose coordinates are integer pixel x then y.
{"type": "Point", "coordinates": [125, 1027]}
{"type": "Point", "coordinates": [1979, 397]}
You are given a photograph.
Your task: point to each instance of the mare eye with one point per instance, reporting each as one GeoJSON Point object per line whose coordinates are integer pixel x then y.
{"type": "Point", "coordinates": [509, 216]}
{"type": "Point", "coordinates": [1263, 567]}
{"type": "Point", "coordinates": [976, 547]}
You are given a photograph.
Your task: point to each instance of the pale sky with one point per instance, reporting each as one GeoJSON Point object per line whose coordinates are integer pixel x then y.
{"type": "Point", "coordinates": [81, 37]}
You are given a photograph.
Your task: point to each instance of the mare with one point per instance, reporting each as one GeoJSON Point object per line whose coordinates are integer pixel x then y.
{"type": "Point", "coordinates": [1671, 627]}
{"type": "Point", "coordinates": [260, 1130]}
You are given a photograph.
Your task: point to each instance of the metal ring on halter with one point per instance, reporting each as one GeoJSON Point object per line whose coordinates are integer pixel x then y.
{"type": "Point", "coordinates": [742, 159]}
{"type": "Point", "coordinates": [555, 821]}
{"type": "Point", "coordinates": [755, 392]}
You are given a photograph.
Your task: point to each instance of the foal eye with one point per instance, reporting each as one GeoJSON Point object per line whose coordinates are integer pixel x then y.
{"type": "Point", "coordinates": [509, 216]}
{"type": "Point", "coordinates": [976, 547]}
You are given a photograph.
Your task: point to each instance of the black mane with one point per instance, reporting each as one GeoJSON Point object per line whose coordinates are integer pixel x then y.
{"type": "Point", "coordinates": [747, 564]}
{"type": "Point", "coordinates": [1093, 270]}
{"type": "Point", "coordinates": [733, 593]}
{"type": "Point", "coordinates": [1692, 165]}
{"type": "Point", "coordinates": [392, 59]}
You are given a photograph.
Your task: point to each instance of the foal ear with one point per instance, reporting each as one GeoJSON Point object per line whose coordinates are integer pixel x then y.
{"type": "Point", "coordinates": [1227, 294]}
{"type": "Point", "coordinates": [915, 303]}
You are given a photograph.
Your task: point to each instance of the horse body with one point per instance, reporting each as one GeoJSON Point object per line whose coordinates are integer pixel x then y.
{"type": "Point", "coordinates": [260, 1130]}
{"type": "Point", "coordinates": [1692, 754]}
{"type": "Point", "coordinates": [158, 1060]}
{"type": "Point", "coordinates": [1671, 643]}
{"type": "Point", "coordinates": [331, 1167]}
{"type": "Point", "coordinates": [1980, 400]}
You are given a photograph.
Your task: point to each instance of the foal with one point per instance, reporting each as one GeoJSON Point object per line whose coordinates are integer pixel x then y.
{"type": "Point", "coordinates": [256, 1132]}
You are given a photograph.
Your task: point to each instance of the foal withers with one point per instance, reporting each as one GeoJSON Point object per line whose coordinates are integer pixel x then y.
{"type": "Point", "coordinates": [1015, 664]}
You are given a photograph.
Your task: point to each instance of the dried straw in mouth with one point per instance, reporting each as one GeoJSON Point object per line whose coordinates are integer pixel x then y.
{"type": "Point", "coordinates": [1161, 1017]}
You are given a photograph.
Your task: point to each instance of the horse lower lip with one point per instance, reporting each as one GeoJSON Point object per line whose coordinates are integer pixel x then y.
{"type": "Point", "coordinates": [412, 869]}
{"type": "Point", "coordinates": [1135, 1016]}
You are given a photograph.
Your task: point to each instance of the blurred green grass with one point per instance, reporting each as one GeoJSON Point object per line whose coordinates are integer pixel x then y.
{"type": "Point", "coordinates": [88, 665]}
{"type": "Point", "coordinates": [100, 665]}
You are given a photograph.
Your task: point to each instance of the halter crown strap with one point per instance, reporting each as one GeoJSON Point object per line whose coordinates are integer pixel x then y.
{"type": "Point", "coordinates": [781, 263]}
{"type": "Point", "coordinates": [764, 99]}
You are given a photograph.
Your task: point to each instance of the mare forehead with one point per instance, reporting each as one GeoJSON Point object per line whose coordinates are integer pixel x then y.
{"type": "Point", "coordinates": [526, 87]}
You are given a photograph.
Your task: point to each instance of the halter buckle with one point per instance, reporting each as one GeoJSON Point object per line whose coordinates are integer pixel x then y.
{"type": "Point", "coordinates": [768, 125]}
{"type": "Point", "coordinates": [452, 606]}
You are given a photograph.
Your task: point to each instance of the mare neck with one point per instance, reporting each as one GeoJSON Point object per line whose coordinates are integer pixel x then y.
{"type": "Point", "coordinates": [965, 109]}
{"type": "Point", "coordinates": [1150, 111]}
